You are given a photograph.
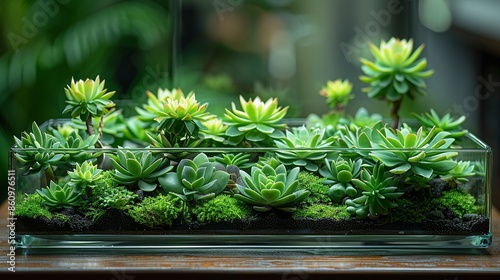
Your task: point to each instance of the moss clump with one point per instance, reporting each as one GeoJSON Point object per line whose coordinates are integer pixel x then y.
{"type": "Point", "coordinates": [410, 211]}
{"type": "Point", "coordinates": [222, 208]}
{"type": "Point", "coordinates": [31, 206]}
{"type": "Point", "coordinates": [314, 184]}
{"type": "Point", "coordinates": [158, 211]}
{"type": "Point", "coordinates": [459, 202]}
{"type": "Point", "coordinates": [322, 211]}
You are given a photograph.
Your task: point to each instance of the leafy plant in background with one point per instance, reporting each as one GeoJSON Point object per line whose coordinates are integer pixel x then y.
{"type": "Point", "coordinates": [195, 179]}
{"type": "Point", "coordinates": [269, 188]}
{"type": "Point", "coordinates": [258, 122]}
{"type": "Point", "coordinates": [395, 73]}
{"type": "Point", "coordinates": [139, 169]}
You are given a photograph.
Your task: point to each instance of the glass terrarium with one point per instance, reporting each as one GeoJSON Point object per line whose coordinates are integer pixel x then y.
{"type": "Point", "coordinates": [238, 171]}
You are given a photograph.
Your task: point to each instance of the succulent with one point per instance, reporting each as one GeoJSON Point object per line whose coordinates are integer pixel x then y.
{"type": "Point", "coordinates": [87, 99]}
{"type": "Point", "coordinates": [140, 169]}
{"type": "Point", "coordinates": [84, 176]}
{"type": "Point", "coordinates": [362, 119]}
{"type": "Point", "coordinates": [160, 140]}
{"type": "Point", "coordinates": [358, 142]}
{"type": "Point", "coordinates": [337, 93]}
{"type": "Point", "coordinates": [242, 160]}
{"type": "Point", "coordinates": [339, 174]}
{"type": "Point", "coordinates": [271, 187]}
{"type": "Point", "coordinates": [303, 147]}
{"type": "Point", "coordinates": [446, 123]}
{"type": "Point", "coordinates": [395, 73]}
{"type": "Point", "coordinates": [404, 152]}
{"type": "Point", "coordinates": [182, 116]}
{"type": "Point", "coordinates": [77, 149]}
{"type": "Point", "coordinates": [56, 196]}
{"type": "Point", "coordinates": [195, 179]}
{"type": "Point", "coordinates": [34, 152]}
{"type": "Point", "coordinates": [156, 103]}
{"type": "Point", "coordinates": [459, 173]}
{"type": "Point", "coordinates": [213, 129]}
{"type": "Point", "coordinates": [259, 121]}
{"type": "Point", "coordinates": [378, 194]}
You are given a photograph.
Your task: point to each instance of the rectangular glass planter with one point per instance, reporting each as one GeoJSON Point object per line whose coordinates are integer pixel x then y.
{"type": "Point", "coordinates": [465, 223]}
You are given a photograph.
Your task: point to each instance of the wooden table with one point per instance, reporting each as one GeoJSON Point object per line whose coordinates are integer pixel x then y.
{"type": "Point", "coordinates": [452, 265]}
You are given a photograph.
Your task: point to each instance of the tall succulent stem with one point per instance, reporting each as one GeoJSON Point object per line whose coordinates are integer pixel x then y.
{"type": "Point", "coordinates": [396, 105]}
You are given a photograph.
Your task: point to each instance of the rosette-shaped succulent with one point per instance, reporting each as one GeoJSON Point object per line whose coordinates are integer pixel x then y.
{"type": "Point", "coordinates": [395, 73]}
{"type": "Point", "coordinates": [182, 116]}
{"type": "Point", "coordinates": [339, 174]}
{"type": "Point", "coordinates": [404, 152]}
{"type": "Point", "coordinates": [377, 196]}
{"type": "Point", "coordinates": [77, 148]}
{"type": "Point", "coordinates": [139, 169]}
{"type": "Point", "coordinates": [195, 179]}
{"type": "Point", "coordinates": [84, 176]}
{"type": "Point", "coordinates": [303, 147]}
{"type": "Point", "coordinates": [269, 187]}
{"type": "Point", "coordinates": [156, 103]}
{"type": "Point", "coordinates": [34, 152]}
{"type": "Point", "coordinates": [446, 123]}
{"type": "Point", "coordinates": [337, 93]}
{"type": "Point", "coordinates": [56, 196]}
{"type": "Point", "coordinates": [460, 173]}
{"type": "Point", "coordinates": [259, 121]}
{"type": "Point", "coordinates": [87, 99]}
{"type": "Point", "coordinates": [213, 129]}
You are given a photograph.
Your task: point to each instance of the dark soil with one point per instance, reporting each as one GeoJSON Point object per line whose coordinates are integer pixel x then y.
{"type": "Point", "coordinates": [117, 222]}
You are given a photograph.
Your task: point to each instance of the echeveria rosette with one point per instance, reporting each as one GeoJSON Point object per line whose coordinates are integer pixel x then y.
{"type": "Point", "coordinates": [214, 129]}
{"type": "Point", "coordinates": [378, 194]}
{"type": "Point", "coordinates": [77, 148]}
{"type": "Point", "coordinates": [57, 196]}
{"type": "Point", "coordinates": [138, 169]}
{"type": "Point", "coordinates": [182, 116]}
{"type": "Point", "coordinates": [196, 179]}
{"type": "Point", "coordinates": [87, 98]}
{"type": "Point", "coordinates": [460, 173]}
{"type": "Point", "coordinates": [257, 122]}
{"type": "Point", "coordinates": [85, 175]}
{"type": "Point", "coordinates": [156, 102]}
{"type": "Point", "coordinates": [270, 187]}
{"type": "Point", "coordinates": [304, 147]}
{"type": "Point", "coordinates": [337, 93]}
{"type": "Point", "coordinates": [407, 153]}
{"type": "Point", "coordinates": [338, 174]}
{"type": "Point", "coordinates": [395, 73]}
{"type": "Point", "coordinates": [35, 152]}
{"type": "Point", "coordinates": [446, 123]}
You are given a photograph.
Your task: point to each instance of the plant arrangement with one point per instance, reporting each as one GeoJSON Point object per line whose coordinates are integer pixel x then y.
{"type": "Point", "coordinates": [176, 167]}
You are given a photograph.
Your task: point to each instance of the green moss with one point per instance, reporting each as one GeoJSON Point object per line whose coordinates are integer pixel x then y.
{"type": "Point", "coordinates": [221, 208]}
{"type": "Point", "coordinates": [313, 183]}
{"type": "Point", "coordinates": [410, 211]}
{"type": "Point", "coordinates": [459, 202]}
{"type": "Point", "coordinates": [61, 217]}
{"type": "Point", "coordinates": [161, 210]}
{"type": "Point", "coordinates": [31, 206]}
{"type": "Point", "coordinates": [323, 211]}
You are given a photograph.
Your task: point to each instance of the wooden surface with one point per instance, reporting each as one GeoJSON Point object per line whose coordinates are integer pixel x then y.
{"type": "Point", "coordinates": [114, 265]}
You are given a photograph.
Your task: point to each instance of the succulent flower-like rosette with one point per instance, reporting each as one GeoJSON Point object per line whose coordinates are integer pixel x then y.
{"type": "Point", "coordinates": [155, 103]}
{"type": "Point", "coordinates": [337, 93]}
{"type": "Point", "coordinates": [214, 129]}
{"type": "Point", "coordinates": [86, 98]}
{"type": "Point", "coordinates": [396, 72]}
{"type": "Point", "coordinates": [256, 122]}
